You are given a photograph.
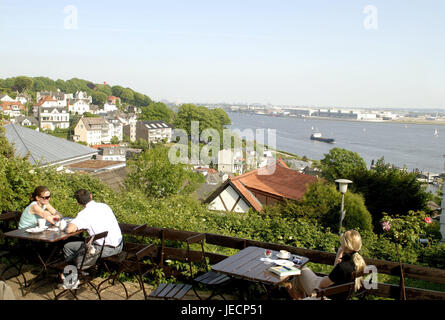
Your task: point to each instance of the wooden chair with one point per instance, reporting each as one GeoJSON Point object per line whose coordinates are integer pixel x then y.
{"type": "Point", "coordinates": [10, 251]}
{"type": "Point", "coordinates": [129, 261]}
{"type": "Point", "coordinates": [85, 272]}
{"type": "Point", "coordinates": [177, 291]}
{"type": "Point", "coordinates": [345, 290]}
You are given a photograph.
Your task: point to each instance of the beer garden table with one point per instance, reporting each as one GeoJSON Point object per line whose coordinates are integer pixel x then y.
{"type": "Point", "coordinates": [51, 236]}
{"type": "Point", "coordinates": [248, 265]}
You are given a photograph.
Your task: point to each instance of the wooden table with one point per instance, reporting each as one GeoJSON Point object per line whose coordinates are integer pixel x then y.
{"type": "Point", "coordinates": [46, 236]}
{"type": "Point", "coordinates": [246, 264]}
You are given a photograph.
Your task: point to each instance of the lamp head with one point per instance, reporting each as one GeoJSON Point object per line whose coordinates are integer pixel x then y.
{"type": "Point", "coordinates": [343, 184]}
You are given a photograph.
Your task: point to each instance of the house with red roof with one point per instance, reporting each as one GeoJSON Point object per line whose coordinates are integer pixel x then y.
{"type": "Point", "coordinates": [265, 186]}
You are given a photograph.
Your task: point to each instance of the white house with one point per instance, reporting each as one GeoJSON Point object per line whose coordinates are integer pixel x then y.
{"type": "Point", "coordinates": [12, 109]}
{"type": "Point", "coordinates": [54, 117]}
{"type": "Point", "coordinates": [6, 98]}
{"type": "Point", "coordinates": [115, 127]}
{"type": "Point", "coordinates": [230, 161]}
{"type": "Point", "coordinates": [111, 153]}
{"type": "Point", "coordinates": [108, 107]}
{"type": "Point", "coordinates": [79, 106]}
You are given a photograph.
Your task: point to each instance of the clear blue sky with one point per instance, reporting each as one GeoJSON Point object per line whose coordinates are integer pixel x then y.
{"type": "Point", "coordinates": [291, 52]}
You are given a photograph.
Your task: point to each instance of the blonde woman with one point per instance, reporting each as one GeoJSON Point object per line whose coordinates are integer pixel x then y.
{"type": "Point", "coordinates": [38, 208]}
{"type": "Point", "coordinates": [347, 261]}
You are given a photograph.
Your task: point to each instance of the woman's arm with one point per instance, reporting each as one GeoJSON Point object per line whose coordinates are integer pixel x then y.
{"type": "Point", "coordinates": [53, 211]}
{"type": "Point", "coordinates": [36, 209]}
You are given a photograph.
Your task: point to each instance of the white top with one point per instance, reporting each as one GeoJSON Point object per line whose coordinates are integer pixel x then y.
{"type": "Point", "coordinates": [97, 218]}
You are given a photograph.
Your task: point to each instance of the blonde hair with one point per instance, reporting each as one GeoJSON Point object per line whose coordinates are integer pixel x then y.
{"type": "Point", "coordinates": [352, 242]}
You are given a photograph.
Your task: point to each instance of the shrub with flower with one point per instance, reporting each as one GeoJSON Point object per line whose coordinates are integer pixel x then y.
{"type": "Point", "coordinates": [405, 230]}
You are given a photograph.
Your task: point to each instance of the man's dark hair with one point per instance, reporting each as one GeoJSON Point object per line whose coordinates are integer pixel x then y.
{"type": "Point", "coordinates": [82, 196]}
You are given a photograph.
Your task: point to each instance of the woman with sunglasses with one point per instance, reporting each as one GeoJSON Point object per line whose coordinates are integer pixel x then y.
{"type": "Point", "coordinates": [38, 208]}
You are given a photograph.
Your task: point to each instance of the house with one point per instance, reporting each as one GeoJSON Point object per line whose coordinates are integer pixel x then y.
{"type": "Point", "coordinates": [6, 98]}
{"type": "Point", "coordinates": [79, 106]}
{"type": "Point", "coordinates": [27, 121]}
{"type": "Point", "coordinates": [109, 107]}
{"type": "Point", "coordinates": [112, 153]}
{"type": "Point", "coordinates": [59, 96]}
{"type": "Point", "coordinates": [92, 131]}
{"type": "Point", "coordinates": [133, 109]}
{"type": "Point", "coordinates": [116, 127]}
{"type": "Point", "coordinates": [23, 98]}
{"type": "Point", "coordinates": [255, 189]}
{"type": "Point", "coordinates": [12, 108]}
{"type": "Point", "coordinates": [51, 118]}
{"type": "Point", "coordinates": [153, 131]}
{"type": "Point", "coordinates": [230, 161]}
{"type": "Point", "coordinates": [298, 165]}
{"type": "Point", "coordinates": [45, 150]}
{"type": "Point", "coordinates": [114, 100]}
{"type": "Point", "coordinates": [47, 101]}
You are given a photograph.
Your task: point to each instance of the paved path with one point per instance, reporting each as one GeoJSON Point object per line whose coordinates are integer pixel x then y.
{"type": "Point", "coordinates": [44, 290]}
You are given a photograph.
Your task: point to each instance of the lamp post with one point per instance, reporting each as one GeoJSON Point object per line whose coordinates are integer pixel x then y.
{"type": "Point", "coordinates": [343, 186]}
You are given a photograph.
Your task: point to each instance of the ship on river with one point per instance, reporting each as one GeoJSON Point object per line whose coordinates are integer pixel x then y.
{"type": "Point", "coordinates": [317, 136]}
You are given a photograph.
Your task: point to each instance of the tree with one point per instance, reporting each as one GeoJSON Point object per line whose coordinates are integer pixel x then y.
{"type": "Point", "coordinates": [157, 111]}
{"type": "Point", "coordinates": [23, 83]}
{"type": "Point", "coordinates": [153, 174]}
{"type": "Point", "coordinates": [342, 164]}
{"type": "Point", "coordinates": [114, 140]}
{"type": "Point", "coordinates": [321, 203]}
{"type": "Point", "coordinates": [99, 98]}
{"type": "Point", "coordinates": [189, 112]}
{"type": "Point", "coordinates": [127, 95]}
{"type": "Point", "coordinates": [391, 190]}
{"type": "Point", "coordinates": [222, 116]}
{"type": "Point", "coordinates": [117, 90]}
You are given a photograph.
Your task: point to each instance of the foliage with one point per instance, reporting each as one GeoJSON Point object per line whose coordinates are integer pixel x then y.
{"type": "Point", "coordinates": [99, 98]}
{"type": "Point", "coordinates": [207, 118]}
{"type": "Point", "coordinates": [153, 173]}
{"type": "Point", "coordinates": [114, 140]}
{"type": "Point", "coordinates": [405, 230]}
{"type": "Point", "coordinates": [434, 256]}
{"type": "Point", "coordinates": [157, 111]}
{"type": "Point", "coordinates": [321, 204]}
{"type": "Point", "coordinates": [342, 164]}
{"type": "Point", "coordinates": [23, 83]}
{"type": "Point", "coordinates": [390, 190]}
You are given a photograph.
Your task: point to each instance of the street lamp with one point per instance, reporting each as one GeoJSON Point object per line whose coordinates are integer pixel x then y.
{"type": "Point", "coordinates": [343, 184]}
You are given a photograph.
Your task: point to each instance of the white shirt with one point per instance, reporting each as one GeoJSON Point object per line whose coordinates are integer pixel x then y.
{"type": "Point", "coordinates": [97, 218]}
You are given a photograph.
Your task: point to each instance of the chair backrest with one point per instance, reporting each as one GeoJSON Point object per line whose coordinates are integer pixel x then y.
{"type": "Point", "coordinates": [348, 288]}
{"type": "Point", "coordinates": [342, 288]}
{"type": "Point", "coordinates": [167, 234]}
{"type": "Point", "coordinates": [90, 240]}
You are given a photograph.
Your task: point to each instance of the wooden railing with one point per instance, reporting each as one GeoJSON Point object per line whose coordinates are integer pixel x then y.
{"type": "Point", "coordinates": [384, 267]}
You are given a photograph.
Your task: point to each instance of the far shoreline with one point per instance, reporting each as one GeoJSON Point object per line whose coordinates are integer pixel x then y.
{"type": "Point", "coordinates": [405, 121]}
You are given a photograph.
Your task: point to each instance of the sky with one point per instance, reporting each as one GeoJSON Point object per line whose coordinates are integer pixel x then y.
{"type": "Point", "coordinates": [373, 53]}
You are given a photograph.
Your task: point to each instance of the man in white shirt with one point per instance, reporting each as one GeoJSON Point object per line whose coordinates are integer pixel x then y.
{"type": "Point", "coordinates": [95, 218]}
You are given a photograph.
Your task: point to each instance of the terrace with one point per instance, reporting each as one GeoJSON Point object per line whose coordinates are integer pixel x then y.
{"type": "Point", "coordinates": [215, 244]}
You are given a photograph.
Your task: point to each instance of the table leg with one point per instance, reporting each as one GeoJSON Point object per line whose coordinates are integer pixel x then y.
{"type": "Point", "coordinates": [43, 271]}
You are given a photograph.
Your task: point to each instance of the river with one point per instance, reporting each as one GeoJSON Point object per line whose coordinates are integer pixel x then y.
{"type": "Point", "coordinates": [412, 145]}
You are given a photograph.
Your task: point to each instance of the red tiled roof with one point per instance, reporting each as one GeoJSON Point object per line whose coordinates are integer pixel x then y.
{"type": "Point", "coordinates": [253, 201]}
{"type": "Point", "coordinates": [44, 99]}
{"type": "Point", "coordinates": [7, 105]}
{"type": "Point", "coordinates": [97, 146]}
{"type": "Point", "coordinates": [281, 181]}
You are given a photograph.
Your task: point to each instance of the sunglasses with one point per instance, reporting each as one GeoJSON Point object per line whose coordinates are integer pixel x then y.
{"type": "Point", "coordinates": [46, 198]}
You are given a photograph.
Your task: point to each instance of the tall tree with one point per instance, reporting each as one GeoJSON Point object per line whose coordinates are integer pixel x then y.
{"type": "Point", "coordinates": [157, 111]}
{"type": "Point", "coordinates": [342, 164]}
{"type": "Point", "coordinates": [23, 83]}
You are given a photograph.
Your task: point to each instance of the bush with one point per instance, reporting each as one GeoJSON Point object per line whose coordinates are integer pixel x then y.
{"type": "Point", "coordinates": [434, 256]}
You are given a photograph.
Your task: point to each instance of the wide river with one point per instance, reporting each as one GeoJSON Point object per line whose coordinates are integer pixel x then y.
{"type": "Point", "coordinates": [413, 145]}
